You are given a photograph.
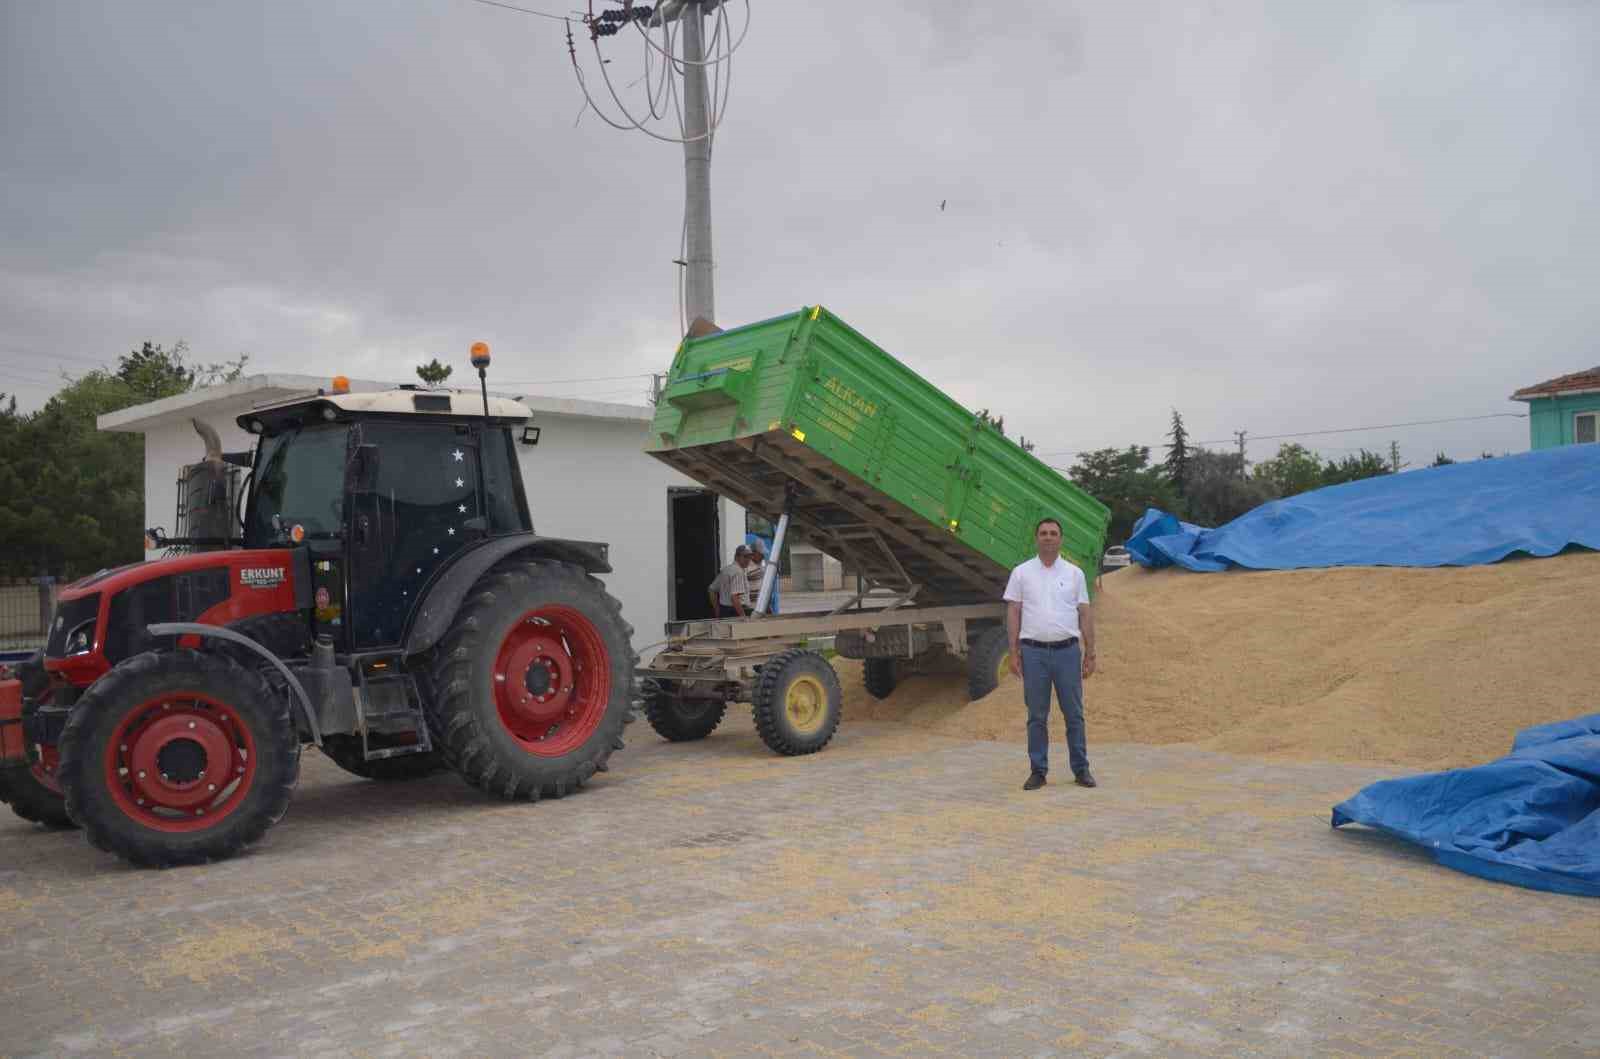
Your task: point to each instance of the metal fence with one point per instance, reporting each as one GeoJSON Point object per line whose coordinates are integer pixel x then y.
{"type": "Point", "coordinates": [25, 608]}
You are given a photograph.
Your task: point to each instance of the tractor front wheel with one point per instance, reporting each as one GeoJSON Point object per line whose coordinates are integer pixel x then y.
{"type": "Point", "coordinates": [534, 681]}
{"type": "Point", "coordinates": [32, 790]}
{"type": "Point", "coordinates": [178, 757]}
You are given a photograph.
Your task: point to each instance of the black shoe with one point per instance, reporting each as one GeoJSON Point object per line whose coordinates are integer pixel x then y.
{"type": "Point", "coordinates": [1085, 779]}
{"type": "Point", "coordinates": [1035, 781]}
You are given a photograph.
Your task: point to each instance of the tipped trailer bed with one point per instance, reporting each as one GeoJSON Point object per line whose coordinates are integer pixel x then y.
{"type": "Point", "coordinates": [803, 419]}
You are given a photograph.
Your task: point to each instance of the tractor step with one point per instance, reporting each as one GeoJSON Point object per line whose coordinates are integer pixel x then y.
{"type": "Point", "coordinates": [392, 722]}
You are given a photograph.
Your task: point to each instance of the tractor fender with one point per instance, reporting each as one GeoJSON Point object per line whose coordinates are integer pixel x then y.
{"type": "Point", "coordinates": [444, 595]}
{"type": "Point", "coordinates": [188, 628]}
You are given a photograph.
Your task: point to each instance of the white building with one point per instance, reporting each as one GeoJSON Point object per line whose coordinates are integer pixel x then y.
{"type": "Point", "coordinates": [587, 478]}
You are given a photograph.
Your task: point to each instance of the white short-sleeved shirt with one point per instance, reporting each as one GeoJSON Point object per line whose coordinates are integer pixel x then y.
{"type": "Point", "coordinates": [1050, 596]}
{"type": "Point", "coordinates": [729, 583]}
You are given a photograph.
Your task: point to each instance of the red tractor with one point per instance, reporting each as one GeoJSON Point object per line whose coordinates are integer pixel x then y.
{"type": "Point", "coordinates": [383, 596]}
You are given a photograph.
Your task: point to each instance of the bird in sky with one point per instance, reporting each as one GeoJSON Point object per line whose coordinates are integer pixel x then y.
{"type": "Point", "coordinates": [941, 204]}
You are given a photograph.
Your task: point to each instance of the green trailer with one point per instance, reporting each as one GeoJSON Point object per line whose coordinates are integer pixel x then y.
{"type": "Point", "coordinates": [803, 419]}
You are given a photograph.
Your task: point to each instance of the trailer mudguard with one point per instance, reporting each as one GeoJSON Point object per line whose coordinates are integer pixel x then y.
{"type": "Point", "coordinates": [445, 593]}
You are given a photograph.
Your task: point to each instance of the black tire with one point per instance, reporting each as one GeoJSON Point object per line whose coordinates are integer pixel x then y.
{"type": "Point", "coordinates": [988, 660]}
{"type": "Point", "coordinates": [881, 676]}
{"type": "Point", "coordinates": [134, 691]}
{"type": "Point", "coordinates": [681, 720]}
{"type": "Point", "coordinates": [470, 731]}
{"type": "Point", "coordinates": [20, 786]}
{"type": "Point", "coordinates": [797, 703]}
{"type": "Point", "coordinates": [345, 751]}
{"type": "Point", "coordinates": [32, 800]}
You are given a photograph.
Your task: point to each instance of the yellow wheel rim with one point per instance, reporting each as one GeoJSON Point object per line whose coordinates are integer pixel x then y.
{"type": "Point", "coordinates": [1002, 670]}
{"type": "Point", "coordinates": [805, 704]}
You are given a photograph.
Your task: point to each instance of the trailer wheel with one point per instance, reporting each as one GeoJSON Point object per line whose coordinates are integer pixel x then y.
{"type": "Point", "coordinates": [532, 685]}
{"type": "Point", "coordinates": [345, 751]}
{"type": "Point", "coordinates": [797, 702]}
{"type": "Point", "coordinates": [32, 790]}
{"type": "Point", "coordinates": [178, 757]}
{"type": "Point", "coordinates": [678, 719]}
{"type": "Point", "coordinates": [988, 661]}
{"type": "Point", "coordinates": [881, 676]}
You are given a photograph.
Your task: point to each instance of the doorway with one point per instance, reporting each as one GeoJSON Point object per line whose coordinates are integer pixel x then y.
{"type": "Point", "coordinates": [694, 550]}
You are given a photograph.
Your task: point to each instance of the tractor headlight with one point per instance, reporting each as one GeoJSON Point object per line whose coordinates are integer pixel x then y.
{"type": "Point", "coordinates": [81, 639]}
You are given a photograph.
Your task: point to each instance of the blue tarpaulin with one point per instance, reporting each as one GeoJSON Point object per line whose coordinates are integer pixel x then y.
{"type": "Point", "coordinates": [1531, 818]}
{"type": "Point", "coordinates": [1464, 514]}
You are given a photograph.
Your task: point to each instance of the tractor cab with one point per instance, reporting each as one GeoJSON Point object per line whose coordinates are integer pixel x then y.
{"type": "Point", "coordinates": [383, 489]}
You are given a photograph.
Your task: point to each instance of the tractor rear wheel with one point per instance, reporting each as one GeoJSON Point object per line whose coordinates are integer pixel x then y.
{"type": "Point", "coordinates": [532, 685]}
{"type": "Point", "coordinates": [32, 790]}
{"type": "Point", "coordinates": [178, 757]}
{"type": "Point", "coordinates": [679, 719]}
{"type": "Point", "coordinates": [345, 751]}
{"type": "Point", "coordinates": [988, 661]}
{"type": "Point", "coordinates": [797, 702]}
{"type": "Point", "coordinates": [880, 676]}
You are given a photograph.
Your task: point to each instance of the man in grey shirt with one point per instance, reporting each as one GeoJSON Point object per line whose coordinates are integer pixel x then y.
{"type": "Point", "coordinates": [731, 588]}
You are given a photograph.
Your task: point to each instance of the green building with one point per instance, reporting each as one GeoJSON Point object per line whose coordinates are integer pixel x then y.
{"type": "Point", "coordinates": [1563, 410]}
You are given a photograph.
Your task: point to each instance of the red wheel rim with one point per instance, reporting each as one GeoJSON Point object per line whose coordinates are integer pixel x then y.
{"type": "Point", "coordinates": [552, 681]}
{"type": "Point", "coordinates": [47, 770]}
{"type": "Point", "coordinates": [180, 762]}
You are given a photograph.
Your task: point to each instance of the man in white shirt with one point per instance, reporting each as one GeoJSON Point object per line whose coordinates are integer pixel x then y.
{"type": "Point", "coordinates": [730, 590]}
{"type": "Point", "coordinates": [1051, 625]}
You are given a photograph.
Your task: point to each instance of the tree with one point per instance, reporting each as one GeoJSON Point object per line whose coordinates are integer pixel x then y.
{"type": "Point", "coordinates": [1354, 468]}
{"type": "Point", "coordinates": [1442, 460]}
{"type": "Point", "coordinates": [1124, 481]}
{"type": "Point", "coordinates": [1218, 491]}
{"type": "Point", "coordinates": [1295, 469]}
{"type": "Point", "coordinates": [71, 496]}
{"type": "Point", "coordinates": [1177, 461]}
{"type": "Point", "coordinates": [434, 373]}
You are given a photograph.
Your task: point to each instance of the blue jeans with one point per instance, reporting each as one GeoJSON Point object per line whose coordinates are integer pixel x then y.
{"type": "Point", "coordinates": [1062, 669]}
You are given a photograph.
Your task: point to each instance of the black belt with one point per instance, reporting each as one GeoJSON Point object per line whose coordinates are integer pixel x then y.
{"type": "Point", "coordinates": [1051, 646]}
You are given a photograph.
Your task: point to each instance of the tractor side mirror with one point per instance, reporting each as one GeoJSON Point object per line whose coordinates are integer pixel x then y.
{"type": "Point", "coordinates": [364, 469]}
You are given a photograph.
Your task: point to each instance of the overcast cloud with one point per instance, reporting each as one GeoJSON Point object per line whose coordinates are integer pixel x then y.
{"type": "Point", "coordinates": [1274, 217]}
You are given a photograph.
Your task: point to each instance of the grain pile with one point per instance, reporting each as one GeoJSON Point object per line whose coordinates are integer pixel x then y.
{"type": "Point", "coordinates": [1429, 668]}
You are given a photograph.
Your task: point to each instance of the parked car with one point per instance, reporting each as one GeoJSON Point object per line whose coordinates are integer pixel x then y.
{"type": "Point", "coordinates": [1116, 556]}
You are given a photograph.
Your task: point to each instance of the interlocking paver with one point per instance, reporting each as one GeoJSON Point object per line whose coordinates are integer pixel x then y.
{"type": "Point", "coordinates": [895, 895]}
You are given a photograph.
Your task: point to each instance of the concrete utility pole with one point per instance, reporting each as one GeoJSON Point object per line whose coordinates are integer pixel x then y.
{"type": "Point", "coordinates": [699, 301]}
{"type": "Point", "coordinates": [1239, 436]}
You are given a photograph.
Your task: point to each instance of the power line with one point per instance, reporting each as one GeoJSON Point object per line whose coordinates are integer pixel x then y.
{"type": "Point", "coordinates": [521, 10]}
{"type": "Point", "coordinates": [1309, 433]}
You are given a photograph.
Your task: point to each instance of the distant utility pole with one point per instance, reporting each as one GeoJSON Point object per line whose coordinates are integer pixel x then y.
{"type": "Point", "coordinates": [1239, 436]}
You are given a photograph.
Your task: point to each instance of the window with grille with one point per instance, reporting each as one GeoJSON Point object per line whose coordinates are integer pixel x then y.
{"type": "Point", "coordinates": [1584, 427]}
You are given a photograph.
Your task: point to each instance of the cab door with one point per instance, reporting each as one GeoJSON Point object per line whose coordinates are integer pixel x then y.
{"type": "Point", "coordinates": [415, 501]}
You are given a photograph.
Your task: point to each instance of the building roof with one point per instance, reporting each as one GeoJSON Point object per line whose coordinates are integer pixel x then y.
{"type": "Point", "coordinates": [1578, 382]}
{"type": "Point", "coordinates": [230, 399]}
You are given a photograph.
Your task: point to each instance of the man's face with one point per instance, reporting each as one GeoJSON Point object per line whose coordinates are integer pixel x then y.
{"type": "Point", "coordinates": [1048, 538]}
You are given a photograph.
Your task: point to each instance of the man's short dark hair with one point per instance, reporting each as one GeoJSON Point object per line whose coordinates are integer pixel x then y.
{"type": "Point", "coordinates": [1053, 521]}
{"type": "Point", "coordinates": [740, 550]}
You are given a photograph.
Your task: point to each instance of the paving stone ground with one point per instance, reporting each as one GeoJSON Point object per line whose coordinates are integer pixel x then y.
{"type": "Point", "coordinates": [897, 894]}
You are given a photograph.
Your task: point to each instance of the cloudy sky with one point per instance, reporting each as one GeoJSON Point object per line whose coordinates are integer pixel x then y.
{"type": "Point", "coordinates": [1275, 217]}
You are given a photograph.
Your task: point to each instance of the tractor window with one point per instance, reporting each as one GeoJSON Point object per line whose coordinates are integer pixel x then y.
{"type": "Point", "coordinates": [502, 485]}
{"type": "Point", "coordinates": [299, 478]}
